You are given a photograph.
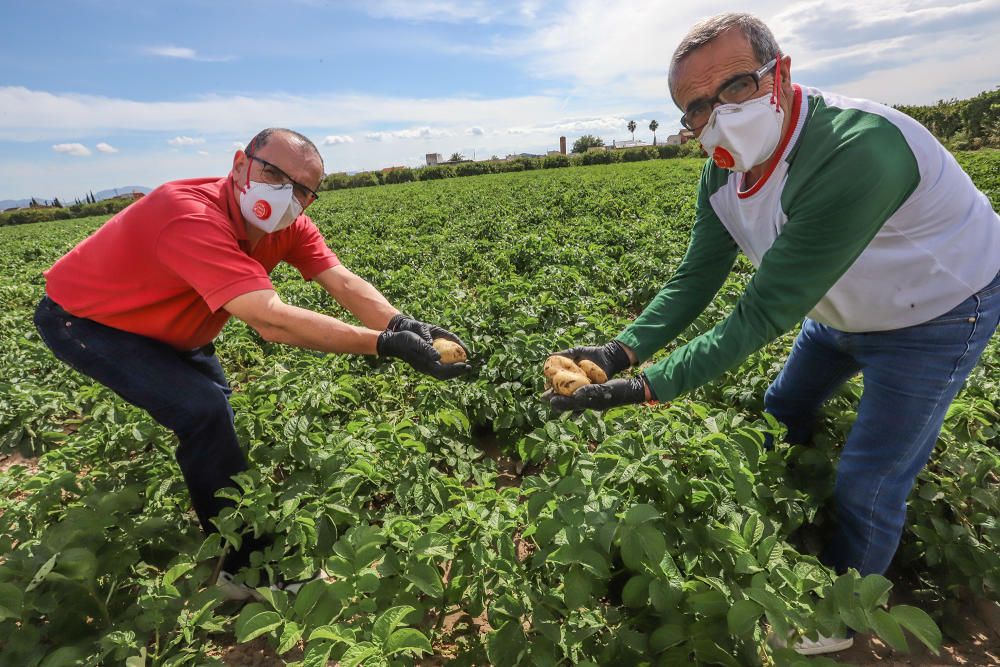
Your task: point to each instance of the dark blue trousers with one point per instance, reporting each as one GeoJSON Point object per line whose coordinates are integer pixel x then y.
{"type": "Point", "coordinates": [185, 391]}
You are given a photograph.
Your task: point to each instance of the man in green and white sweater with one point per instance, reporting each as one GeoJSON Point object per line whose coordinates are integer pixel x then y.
{"type": "Point", "coordinates": [862, 227]}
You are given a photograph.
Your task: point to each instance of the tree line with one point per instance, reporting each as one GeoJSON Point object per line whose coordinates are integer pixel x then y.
{"type": "Point", "coordinates": [962, 125]}
{"type": "Point", "coordinates": [340, 181]}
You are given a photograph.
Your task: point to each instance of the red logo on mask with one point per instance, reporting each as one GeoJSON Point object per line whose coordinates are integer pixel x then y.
{"type": "Point", "coordinates": [262, 209]}
{"type": "Point", "coordinates": [723, 158]}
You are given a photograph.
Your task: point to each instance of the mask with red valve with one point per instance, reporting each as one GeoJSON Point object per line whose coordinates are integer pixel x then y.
{"type": "Point", "coordinates": [742, 136]}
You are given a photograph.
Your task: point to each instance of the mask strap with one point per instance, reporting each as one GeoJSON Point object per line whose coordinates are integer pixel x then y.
{"type": "Point", "coordinates": [776, 89]}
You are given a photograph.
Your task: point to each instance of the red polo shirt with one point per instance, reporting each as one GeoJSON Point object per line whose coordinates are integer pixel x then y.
{"type": "Point", "coordinates": [165, 266]}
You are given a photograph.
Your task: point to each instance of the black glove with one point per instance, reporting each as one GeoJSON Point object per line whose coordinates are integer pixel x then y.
{"type": "Point", "coordinates": [611, 357]}
{"type": "Point", "coordinates": [603, 396]}
{"type": "Point", "coordinates": [428, 332]}
{"type": "Point", "coordinates": [418, 353]}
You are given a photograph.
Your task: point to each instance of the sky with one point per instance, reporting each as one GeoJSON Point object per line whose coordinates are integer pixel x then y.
{"type": "Point", "coordinates": [101, 94]}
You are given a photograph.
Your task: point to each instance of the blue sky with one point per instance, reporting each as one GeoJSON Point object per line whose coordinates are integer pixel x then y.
{"type": "Point", "coordinates": [101, 94]}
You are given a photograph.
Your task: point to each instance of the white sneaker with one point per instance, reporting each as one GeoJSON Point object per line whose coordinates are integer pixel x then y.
{"type": "Point", "coordinates": [818, 646]}
{"type": "Point", "coordinates": [233, 590]}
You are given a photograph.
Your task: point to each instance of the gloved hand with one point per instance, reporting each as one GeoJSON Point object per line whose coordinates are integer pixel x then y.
{"type": "Point", "coordinates": [418, 353]}
{"type": "Point", "coordinates": [603, 396]}
{"type": "Point", "coordinates": [611, 357]}
{"type": "Point", "coordinates": [428, 332]}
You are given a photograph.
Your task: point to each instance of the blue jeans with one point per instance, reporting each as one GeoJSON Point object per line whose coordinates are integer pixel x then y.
{"type": "Point", "coordinates": [185, 391]}
{"type": "Point", "coordinates": [911, 376]}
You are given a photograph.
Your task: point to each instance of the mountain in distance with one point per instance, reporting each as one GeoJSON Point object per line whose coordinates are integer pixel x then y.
{"type": "Point", "coordinates": [103, 194]}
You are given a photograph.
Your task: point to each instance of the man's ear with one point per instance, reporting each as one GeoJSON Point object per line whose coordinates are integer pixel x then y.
{"type": "Point", "coordinates": [240, 160]}
{"type": "Point", "coordinates": [786, 72]}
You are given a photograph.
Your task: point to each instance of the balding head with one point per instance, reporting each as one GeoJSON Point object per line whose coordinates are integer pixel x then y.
{"type": "Point", "coordinates": [762, 43]}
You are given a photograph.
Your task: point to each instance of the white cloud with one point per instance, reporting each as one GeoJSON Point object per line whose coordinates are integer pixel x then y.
{"type": "Point", "coordinates": [106, 148]}
{"type": "Point", "coordinates": [185, 53]}
{"type": "Point", "coordinates": [76, 150]}
{"type": "Point", "coordinates": [185, 141]}
{"type": "Point", "coordinates": [411, 133]}
{"type": "Point", "coordinates": [476, 131]}
{"type": "Point", "coordinates": [204, 153]}
{"type": "Point", "coordinates": [451, 11]}
{"type": "Point", "coordinates": [582, 126]}
{"type": "Point", "coordinates": [335, 139]}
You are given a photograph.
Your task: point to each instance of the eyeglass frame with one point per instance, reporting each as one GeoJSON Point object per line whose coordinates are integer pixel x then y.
{"type": "Point", "coordinates": [757, 75]}
{"type": "Point", "coordinates": [281, 172]}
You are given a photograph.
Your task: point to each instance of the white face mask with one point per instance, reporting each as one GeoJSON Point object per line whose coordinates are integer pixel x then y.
{"type": "Point", "coordinates": [741, 136]}
{"type": "Point", "coordinates": [269, 207]}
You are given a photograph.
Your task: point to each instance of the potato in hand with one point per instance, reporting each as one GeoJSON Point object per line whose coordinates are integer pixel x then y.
{"type": "Point", "coordinates": [451, 353]}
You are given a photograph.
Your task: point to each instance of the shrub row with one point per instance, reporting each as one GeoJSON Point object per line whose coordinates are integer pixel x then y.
{"type": "Point", "coordinates": [340, 181]}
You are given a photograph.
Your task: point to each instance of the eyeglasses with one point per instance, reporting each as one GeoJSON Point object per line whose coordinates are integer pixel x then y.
{"type": "Point", "coordinates": [736, 90]}
{"type": "Point", "coordinates": [306, 196]}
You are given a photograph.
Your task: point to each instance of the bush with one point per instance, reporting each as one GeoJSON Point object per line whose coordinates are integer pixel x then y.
{"type": "Point", "coordinates": [365, 179]}
{"type": "Point", "coordinates": [472, 168]}
{"type": "Point", "coordinates": [691, 149]}
{"type": "Point", "coordinates": [667, 151]}
{"type": "Point", "coordinates": [555, 161]}
{"type": "Point", "coordinates": [436, 172]}
{"type": "Point", "coordinates": [403, 175]}
{"type": "Point", "coordinates": [639, 154]}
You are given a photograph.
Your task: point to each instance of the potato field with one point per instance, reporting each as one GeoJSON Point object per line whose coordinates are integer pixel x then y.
{"type": "Point", "coordinates": [462, 522]}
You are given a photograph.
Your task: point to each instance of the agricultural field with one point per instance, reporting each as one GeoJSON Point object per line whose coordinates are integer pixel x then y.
{"type": "Point", "coordinates": [463, 523]}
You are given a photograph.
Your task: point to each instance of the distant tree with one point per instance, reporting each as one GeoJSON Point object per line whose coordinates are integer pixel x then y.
{"type": "Point", "coordinates": [631, 128]}
{"type": "Point", "coordinates": [57, 203]}
{"type": "Point", "coordinates": [93, 200]}
{"type": "Point", "coordinates": [652, 128]}
{"type": "Point", "coordinates": [456, 157]}
{"type": "Point", "coordinates": [494, 157]}
{"type": "Point", "coordinates": [33, 203]}
{"type": "Point", "coordinates": [587, 141]}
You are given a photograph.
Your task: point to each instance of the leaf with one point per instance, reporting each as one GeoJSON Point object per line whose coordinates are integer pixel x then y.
{"type": "Point", "coordinates": [42, 572]}
{"type": "Point", "coordinates": [666, 636]}
{"type": "Point", "coordinates": [874, 590]}
{"type": "Point", "coordinates": [334, 633]}
{"type": "Point", "coordinates": [426, 577]}
{"type": "Point", "coordinates": [919, 624]}
{"type": "Point", "coordinates": [358, 653]}
{"type": "Point", "coordinates": [505, 645]}
{"type": "Point", "coordinates": [11, 601]}
{"type": "Point", "coordinates": [636, 591]}
{"type": "Point", "coordinates": [388, 622]}
{"type": "Point", "coordinates": [888, 629]}
{"type": "Point", "coordinates": [742, 617]}
{"type": "Point", "coordinates": [255, 620]}
{"type": "Point", "coordinates": [317, 654]}
{"type": "Point", "coordinates": [638, 514]}
{"type": "Point", "coordinates": [174, 573]}
{"type": "Point", "coordinates": [290, 636]}
{"type": "Point", "coordinates": [576, 588]}
{"type": "Point", "coordinates": [407, 640]}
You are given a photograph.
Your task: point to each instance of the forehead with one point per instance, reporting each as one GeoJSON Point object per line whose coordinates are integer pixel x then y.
{"type": "Point", "coordinates": [702, 71]}
{"type": "Point", "coordinates": [293, 157]}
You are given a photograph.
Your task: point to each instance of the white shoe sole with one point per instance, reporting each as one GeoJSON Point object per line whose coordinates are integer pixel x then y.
{"type": "Point", "coordinates": [826, 647]}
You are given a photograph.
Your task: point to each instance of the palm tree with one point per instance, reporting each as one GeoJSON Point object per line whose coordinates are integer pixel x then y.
{"type": "Point", "coordinates": [631, 128]}
{"type": "Point", "coordinates": [652, 128]}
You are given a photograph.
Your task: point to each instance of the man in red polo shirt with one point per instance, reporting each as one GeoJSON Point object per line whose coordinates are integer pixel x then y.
{"type": "Point", "coordinates": [137, 304]}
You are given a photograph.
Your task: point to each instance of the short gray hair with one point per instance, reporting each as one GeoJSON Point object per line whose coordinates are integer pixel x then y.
{"type": "Point", "coordinates": [762, 41]}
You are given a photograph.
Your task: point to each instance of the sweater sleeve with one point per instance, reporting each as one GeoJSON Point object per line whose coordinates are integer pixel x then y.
{"type": "Point", "coordinates": [830, 222]}
{"type": "Point", "coordinates": [708, 260]}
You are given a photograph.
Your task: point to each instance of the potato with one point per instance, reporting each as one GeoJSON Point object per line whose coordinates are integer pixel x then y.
{"type": "Point", "coordinates": [557, 363]}
{"type": "Point", "coordinates": [566, 382]}
{"type": "Point", "coordinates": [451, 353]}
{"type": "Point", "coordinates": [594, 372]}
